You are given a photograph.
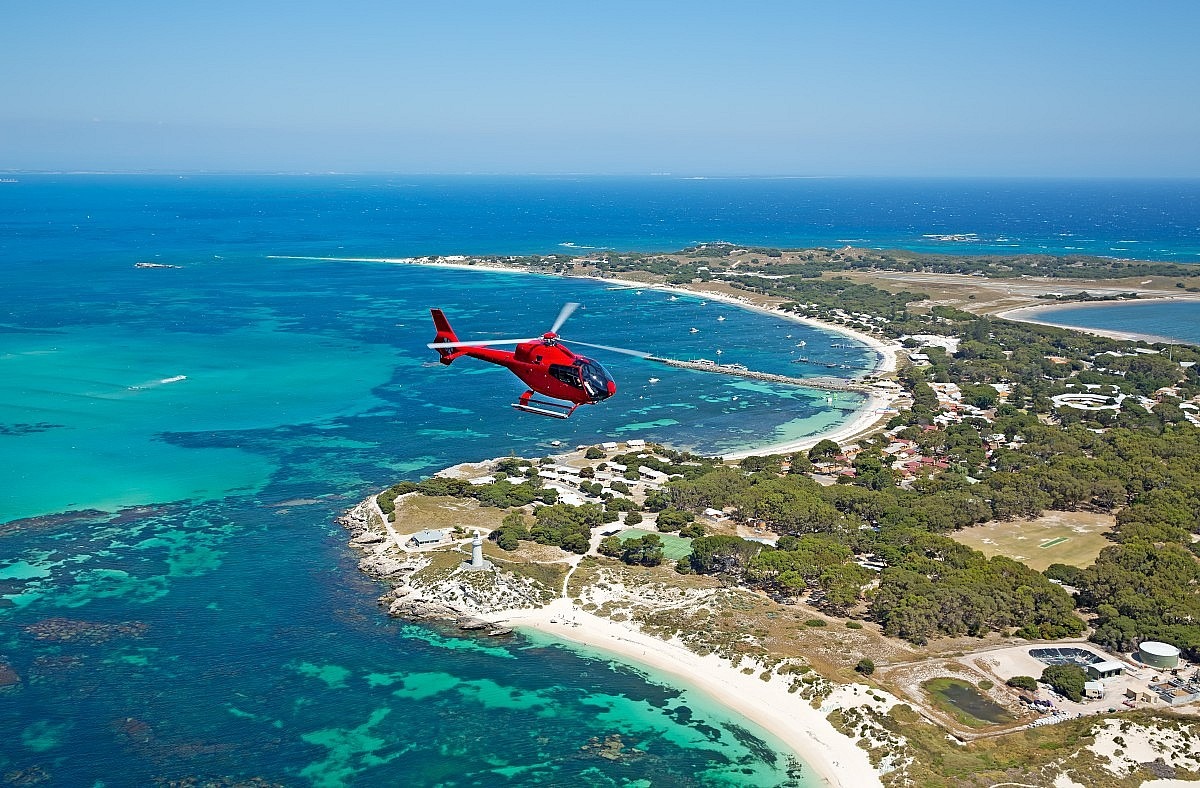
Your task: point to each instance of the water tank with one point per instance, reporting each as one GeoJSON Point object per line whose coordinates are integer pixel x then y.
{"type": "Point", "coordinates": [1158, 655]}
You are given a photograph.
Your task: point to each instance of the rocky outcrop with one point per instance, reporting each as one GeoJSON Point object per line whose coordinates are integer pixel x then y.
{"type": "Point", "coordinates": [408, 603]}
{"type": "Point", "coordinates": [361, 520]}
{"type": "Point", "coordinates": [436, 595]}
{"type": "Point", "coordinates": [383, 567]}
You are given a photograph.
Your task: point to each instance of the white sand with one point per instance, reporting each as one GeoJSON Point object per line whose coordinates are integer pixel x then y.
{"type": "Point", "coordinates": [832, 756]}
{"type": "Point", "coordinates": [864, 420]}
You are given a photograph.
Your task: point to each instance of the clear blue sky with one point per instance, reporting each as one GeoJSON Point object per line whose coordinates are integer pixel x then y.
{"type": "Point", "coordinates": [799, 87]}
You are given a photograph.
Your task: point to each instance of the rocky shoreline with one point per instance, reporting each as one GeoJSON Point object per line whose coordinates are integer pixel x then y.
{"type": "Point", "coordinates": [418, 593]}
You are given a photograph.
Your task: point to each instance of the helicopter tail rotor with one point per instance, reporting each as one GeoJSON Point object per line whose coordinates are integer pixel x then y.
{"type": "Point", "coordinates": [445, 336]}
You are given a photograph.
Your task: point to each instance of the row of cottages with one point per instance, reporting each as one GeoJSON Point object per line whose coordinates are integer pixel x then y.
{"type": "Point", "coordinates": [632, 443]}
{"type": "Point", "coordinates": [614, 471]}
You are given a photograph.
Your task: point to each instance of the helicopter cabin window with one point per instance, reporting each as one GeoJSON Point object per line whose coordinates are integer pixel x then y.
{"type": "Point", "coordinates": [568, 375]}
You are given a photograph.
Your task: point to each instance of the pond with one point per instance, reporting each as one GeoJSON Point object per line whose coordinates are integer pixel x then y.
{"type": "Point", "coordinates": [966, 703]}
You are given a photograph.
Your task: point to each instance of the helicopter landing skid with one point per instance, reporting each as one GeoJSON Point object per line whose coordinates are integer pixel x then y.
{"type": "Point", "coordinates": [541, 407]}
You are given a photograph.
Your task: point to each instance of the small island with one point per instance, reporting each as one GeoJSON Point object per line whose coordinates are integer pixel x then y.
{"type": "Point", "coordinates": [989, 576]}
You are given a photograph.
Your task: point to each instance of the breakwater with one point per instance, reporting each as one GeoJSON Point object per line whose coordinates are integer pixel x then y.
{"type": "Point", "coordinates": [823, 383]}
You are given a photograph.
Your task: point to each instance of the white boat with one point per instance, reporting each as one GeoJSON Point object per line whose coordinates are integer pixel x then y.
{"type": "Point", "coordinates": [653, 380]}
{"type": "Point", "coordinates": [722, 317]}
{"type": "Point", "coordinates": [695, 331]}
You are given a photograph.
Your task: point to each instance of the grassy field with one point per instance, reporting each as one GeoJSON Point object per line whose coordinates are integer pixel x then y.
{"type": "Point", "coordinates": [674, 547]}
{"type": "Point", "coordinates": [420, 512]}
{"type": "Point", "coordinates": [1073, 538]}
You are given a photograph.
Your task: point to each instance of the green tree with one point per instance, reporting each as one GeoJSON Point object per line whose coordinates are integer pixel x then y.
{"type": "Point", "coordinates": [722, 554]}
{"type": "Point", "coordinates": [1066, 680]}
{"type": "Point", "coordinates": [823, 450]}
{"type": "Point", "coordinates": [644, 551]}
{"type": "Point", "coordinates": [610, 546]}
{"type": "Point", "coordinates": [673, 519]}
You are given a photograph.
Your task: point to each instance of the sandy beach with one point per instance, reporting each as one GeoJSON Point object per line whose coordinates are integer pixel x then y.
{"type": "Point", "coordinates": [1029, 314]}
{"type": "Point", "coordinates": [833, 757]}
{"type": "Point", "coordinates": [869, 416]}
{"type": "Point", "coordinates": [865, 421]}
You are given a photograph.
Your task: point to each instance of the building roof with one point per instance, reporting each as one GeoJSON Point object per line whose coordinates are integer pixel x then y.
{"type": "Point", "coordinates": [1158, 648]}
{"type": "Point", "coordinates": [427, 537]}
{"type": "Point", "coordinates": [1107, 666]}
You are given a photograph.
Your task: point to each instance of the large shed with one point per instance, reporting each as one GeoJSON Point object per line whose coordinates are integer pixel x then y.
{"type": "Point", "coordinates": [1106, 669]}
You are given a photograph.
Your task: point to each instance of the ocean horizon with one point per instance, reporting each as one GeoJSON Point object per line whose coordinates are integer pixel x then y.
{"type": "Point", "coordinates": [177, 442]}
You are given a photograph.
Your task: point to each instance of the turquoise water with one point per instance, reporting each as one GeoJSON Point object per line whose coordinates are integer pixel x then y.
{"type": "Point", "coordinates": [212, 379]}
{"type": "Point", "coordinates": [176, 601]}
{"type": "Point", "coordinates": [1178, 320]}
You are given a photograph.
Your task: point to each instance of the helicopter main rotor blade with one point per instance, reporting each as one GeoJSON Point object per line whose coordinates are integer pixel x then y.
{"type": "Point", "coordinates": [563, 314]}
{"type": "Point", "coordinates": [480, 343]}
{"type": "Point", "coordinates": [626, 351]}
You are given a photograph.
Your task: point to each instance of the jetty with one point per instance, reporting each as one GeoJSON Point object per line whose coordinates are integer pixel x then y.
{"type": "Point", "coordinates": [738, 370]}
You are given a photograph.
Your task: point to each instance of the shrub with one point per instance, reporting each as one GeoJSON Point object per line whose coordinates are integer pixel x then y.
{"type": "Point", "coordinates": [865, 666]}
{"type": "Point", "coordinates": [1028, 683]}
{"type": "Point", "coordinates": [815, 622]}
{"type": "Point", "coordinates": [853, 625]}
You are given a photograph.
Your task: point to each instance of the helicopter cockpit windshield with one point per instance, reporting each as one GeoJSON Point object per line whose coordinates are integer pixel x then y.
{"type": "Point", "coordinates": [596, 381]}
{"type": "Point", "coordinates": [587, 375]}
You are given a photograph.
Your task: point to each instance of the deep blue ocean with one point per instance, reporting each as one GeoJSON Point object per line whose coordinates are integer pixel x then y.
{"type": "Point", "coordinates": [175, 598]}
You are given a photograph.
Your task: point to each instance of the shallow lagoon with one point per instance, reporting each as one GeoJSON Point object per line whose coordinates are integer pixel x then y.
{"type": "Point", "coordinates": [211, 623]}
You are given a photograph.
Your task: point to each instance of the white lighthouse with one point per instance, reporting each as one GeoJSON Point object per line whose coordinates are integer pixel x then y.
{"type": "Point", "coordinates": [477, 551]}
{"type": "Point", "coordinates": [477, 561]}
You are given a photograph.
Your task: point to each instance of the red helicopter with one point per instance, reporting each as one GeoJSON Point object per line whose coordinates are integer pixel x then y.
{"type": "Point", "coordinates": [543, 363]}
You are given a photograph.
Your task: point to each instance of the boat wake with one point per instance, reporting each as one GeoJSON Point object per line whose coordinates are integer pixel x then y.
{"type": "Point", "coordinates": [155, 383]}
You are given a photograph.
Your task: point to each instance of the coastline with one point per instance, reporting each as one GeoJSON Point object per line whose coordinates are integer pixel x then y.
{"type": "Point", "coordinates": [1030, 314]}
{"type": "Point", "coordinates": [833, 757]}
{"type": "Point", "coordinates": [866, 420]}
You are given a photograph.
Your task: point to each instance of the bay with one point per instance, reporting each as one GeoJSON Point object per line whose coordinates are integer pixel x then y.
{"type": "Point", "coordinates": [195, 612]}
{"type": "Point", "coordinates": [1177, 320]}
